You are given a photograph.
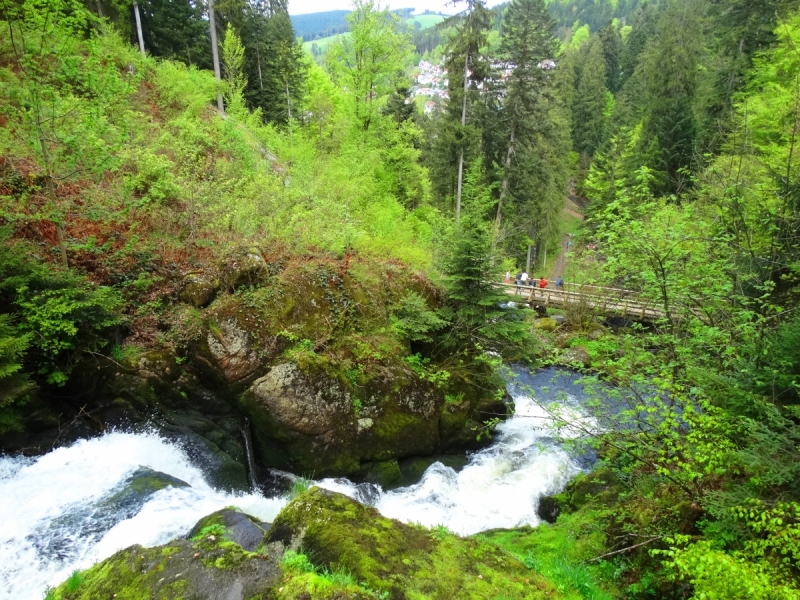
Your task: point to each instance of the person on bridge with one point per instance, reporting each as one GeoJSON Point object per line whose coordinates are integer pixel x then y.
{"type": "Point", "coordinates": [543, 283]}
{"type": "Point", "coordinates": [560, 282]}
{"type": "Point", "coordinates": [508, 277]}
{"type": "Point", "coordinates": [518, 278]}
{"type": "Point", "coordinates": [524, 278]}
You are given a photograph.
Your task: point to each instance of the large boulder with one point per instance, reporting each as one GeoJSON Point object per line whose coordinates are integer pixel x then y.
{"type": "Point", "coordinates": [232, 351]}
{"type": "Point", "coordinates": [396, 560]}
{"type": "Point", "coordinates": [323, 545]}
{"type": "Point", "coordinates": [198, 290]}
{"type": "Point", "coordinates": [312, 423]}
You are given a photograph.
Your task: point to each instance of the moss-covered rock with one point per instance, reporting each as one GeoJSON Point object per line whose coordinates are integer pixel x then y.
{"type": "Point", "coordinates": [401, 561]}
{"type": "Point", "coordinates": [311, 422]}
{"type": "Point", "coordinates": [383, 473]}
{"type": "Point", "coordinates": [199, 290]}
{"type": "Point", "coordinates": [545, 324]}
{"type": "Point", "coordinates": [208, 569]}
{"type": "Point", "coordinates": [234, 526]}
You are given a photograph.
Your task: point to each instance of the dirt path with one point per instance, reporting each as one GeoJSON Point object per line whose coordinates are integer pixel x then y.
{"type": "Point", "coordinates": [572, 209]}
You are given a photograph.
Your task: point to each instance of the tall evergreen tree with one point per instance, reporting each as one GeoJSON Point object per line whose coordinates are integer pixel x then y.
{"type": "Point", "coordinates": [527, 42]}
{"type": "Point", "coordinates": [465, 65]}
{"type": "Point", "coordinates": [589, 106]}
{"type": "Point", "coordinates": [612, 47]}
{"type": "Point", "coordinates": [670, 67]}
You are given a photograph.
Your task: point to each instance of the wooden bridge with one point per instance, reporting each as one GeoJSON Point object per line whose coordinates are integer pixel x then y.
{"type": "Point", "coordinates": [608, 301]}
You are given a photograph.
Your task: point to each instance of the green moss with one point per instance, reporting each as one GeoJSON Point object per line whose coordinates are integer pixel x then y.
{"type": "Point", "coordinates": [399, 560]}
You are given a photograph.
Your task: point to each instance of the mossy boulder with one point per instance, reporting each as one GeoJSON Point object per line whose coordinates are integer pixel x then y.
{"type": "Point", "coordinates": [576, 355]}
{"type": "Point", "coordinates": [210, 568]}
{"type": "Point", "coordinates": [545, 324]}
{"type": "Point", "coordinates": [399, 560]}
{"type": "Point", "coordinates": [245, 266]}
{"type": "Point", "coordinates": [198, 290]}
{"type": "Point", "coordinates": [383, 473]}
{"type": "Point", "coordinates": [309, 421]}
{"type": "Point", "coordinates": [233, 525]}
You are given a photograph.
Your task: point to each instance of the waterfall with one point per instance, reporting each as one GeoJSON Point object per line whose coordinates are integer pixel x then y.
{"type": "Point", "coordinates": [50, 515]}
{"type": "Point", "coordinates": [54, 519]}
{"type": "Point", "coordinates": [501, 485]}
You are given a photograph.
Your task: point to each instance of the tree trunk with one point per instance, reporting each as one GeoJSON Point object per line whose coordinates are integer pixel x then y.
{"type": "Point", "coordinates": [504, 187]}
{"type": "Point", "coordinates": [215, 53]}
{"type": "Point", "coordinates": [139, 27]}
{"type": "Point", "coordinates": [99, 9]}
{"type": "Point", "coordinates": [258, 58]}
{"type": "Point", "coordinates": [463, 123]}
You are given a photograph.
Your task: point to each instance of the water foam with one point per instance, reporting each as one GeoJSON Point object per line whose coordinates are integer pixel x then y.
{"type": "Point", "coordinates": [501, 485]}
{"type": "Point", "coordinates": [69, 481]}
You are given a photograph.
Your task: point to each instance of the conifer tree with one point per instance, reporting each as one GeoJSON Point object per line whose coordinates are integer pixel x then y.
{"type": "Point", "coordinates": [590, 101]}
{"type": "Point", "coordinates": [465, 64]}
{"type": "Point", "coordinates": [233, 62]}
{"type": "Point", "coordinates": [527, 42]}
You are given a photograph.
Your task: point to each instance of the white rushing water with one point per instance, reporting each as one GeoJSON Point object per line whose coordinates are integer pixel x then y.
{"type": "Point", "coordinates": [501, 485]}
{"type": "Point", "coordinates": [36, 493]}
{"type": "Point", "coordinates": [52, 525]}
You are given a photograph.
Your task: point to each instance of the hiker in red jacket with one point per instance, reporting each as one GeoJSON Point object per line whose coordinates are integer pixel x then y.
{"type": "Point", "coordinates": [543, 283]}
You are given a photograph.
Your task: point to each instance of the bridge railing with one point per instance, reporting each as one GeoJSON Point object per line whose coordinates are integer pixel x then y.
{"type": "Point", "coordinates": [607, 300]}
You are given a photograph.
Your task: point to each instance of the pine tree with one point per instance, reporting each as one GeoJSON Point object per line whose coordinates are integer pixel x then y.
{"type": "Point", "coordinates": [670, 66]}
{"type": "Point", "coordinates": [527, 42]}
{"type": "Point", "coordinates": [476, 314]}
{"type": "Point", "coordinates": [589, 106]}
{"type": "Point", "coordinates": [612, 47]}
{"type": "Point", "coordinates": [465, 65]}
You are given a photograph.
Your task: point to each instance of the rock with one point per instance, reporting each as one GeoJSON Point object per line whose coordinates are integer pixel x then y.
{"type": "Point", "coordinates": [239, 528]}
{"type": "Point", "coordinates": [244, 267]}
{"type": "Point", "coordinates": [381, 473]}
{"type": "Point", "coordinates": [232, 350]}
{"type": "Point", "coordinates": [560, 319]}
{"type": "Point", "coordinates": [402, 561]}
{"type": "Point", "coordinates": [212, 568]}
{"type": "Point", "coordinates": [548, 508]}
{"type": "Point", "coordinates": [577, 354]}
{"type": "Point", "coordinates": [545, 324]}
{"type": "Point", "coordinates": [58, 538]}
{"type": "Point", "coordinates": [309, 422]}
{"type": "Point", "coordinates": [221, 470]}
{"type": "Point", "coordinates": [298, 403]}
{"type": "Point", "coordinates": [198, 290]}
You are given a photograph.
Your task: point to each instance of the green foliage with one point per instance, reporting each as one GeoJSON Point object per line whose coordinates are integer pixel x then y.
{"type": "Point", "coordinates": [367, 62]}
{"type": "Point", "coordinates": [15, 385]}
{"type": "Point", "coordinates": [233, 64]}
{"type": "Point", "coordinates": [414, 321]}
{"type": "Point", "coordinates": [60, 314]}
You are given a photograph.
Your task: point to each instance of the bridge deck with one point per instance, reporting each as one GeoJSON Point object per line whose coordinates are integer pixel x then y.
{"type": "Point", "coordinates": [609, 301]}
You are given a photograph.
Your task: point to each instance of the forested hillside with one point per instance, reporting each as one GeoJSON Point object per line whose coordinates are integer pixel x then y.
{"type": "Point", "coordinates": [206, 189]}
{"type": "Point", "coordinates": [321, 24]}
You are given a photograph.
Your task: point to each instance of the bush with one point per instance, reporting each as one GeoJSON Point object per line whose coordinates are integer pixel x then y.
{"type": "Point", "coordinates": [60, 313]}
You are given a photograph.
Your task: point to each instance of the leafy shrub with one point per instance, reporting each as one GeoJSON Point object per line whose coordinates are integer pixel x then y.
{"type": "Point", "coordinates": [64, 313]}
{"type": "Point", "coordinates": [414, 321]}
{"type": "Point", "coordinates": [14, 384]}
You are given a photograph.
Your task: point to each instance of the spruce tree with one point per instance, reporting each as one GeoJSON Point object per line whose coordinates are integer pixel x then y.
{"type": "Point", "coordinates": [476, 309]}
{"type": "Point", "coordinates": [465, 65]}
{"type": "Point", "coordinates": [527, 42]}
{"type": "Point", "coordinates": [589, 106]}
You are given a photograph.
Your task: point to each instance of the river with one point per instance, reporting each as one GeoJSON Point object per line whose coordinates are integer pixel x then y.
{"type": "Point", "coordinates": [52, 524]}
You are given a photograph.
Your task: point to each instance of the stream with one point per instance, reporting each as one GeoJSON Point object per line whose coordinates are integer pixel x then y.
{"type": "Point", "coordinates": [52, 506]}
